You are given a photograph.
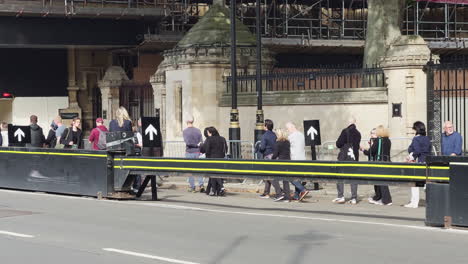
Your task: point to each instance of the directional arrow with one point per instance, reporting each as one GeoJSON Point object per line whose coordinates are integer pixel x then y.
{"type": "Point", "coordinates": [151, 131]}
{"type": "Point", "coordinates": [312, 132]}
{"type": "Point", "coordinates": [20, 134]}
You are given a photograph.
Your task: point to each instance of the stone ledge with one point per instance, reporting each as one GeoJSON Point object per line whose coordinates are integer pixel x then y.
{"type": "Point", "coordinates": [371, 95]}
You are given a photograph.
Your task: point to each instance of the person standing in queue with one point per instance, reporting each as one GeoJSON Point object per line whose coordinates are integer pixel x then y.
{"type": "Point", "coordinates": [380, 151]}
{"type": "Point", "coordinates": [72, 137]}
{"type": "Point", "coordinates": [297, 141]}
{"type": "Point", "coordinates": [122, 122]}
{"type": "Point", "coordinates": [282, 151]}
{"type": "Point", "coordinates": [37, 135]}
{"type": "Point", "coordinates": [97, 136]}
{"type": "Point", "coordinates": [193, 139]}
{"type": "Point", "coordinates": [267, 145]}
{"type": "Point", "coordinates": [452, 141]}
{"type": "Point", "coordinates": [348, 143]}
{"type": "Point", "coordinates": [418, 150]}
{"type": "Point", "coordinates": [214, 147]}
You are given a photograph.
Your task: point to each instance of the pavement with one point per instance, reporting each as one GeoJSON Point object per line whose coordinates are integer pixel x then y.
{"type": "Point", "coordinates": [188, 227]}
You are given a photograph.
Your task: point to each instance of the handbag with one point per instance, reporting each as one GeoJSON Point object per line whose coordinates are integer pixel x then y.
{"type": "Point", "coordinates": [60, 145]}
{"type": "Point", "coordinates": [347, 151]}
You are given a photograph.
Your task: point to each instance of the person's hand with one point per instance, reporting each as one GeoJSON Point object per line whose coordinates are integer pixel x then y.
{"type": "Point", "coordinates": [71, 143]}
{"type": "Point", "coordinates": [453, 154]}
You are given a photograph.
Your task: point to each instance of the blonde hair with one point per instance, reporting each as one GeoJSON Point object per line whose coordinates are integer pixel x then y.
{"type": "Point", "coordinates": [381, 131]}
{"type": "Point", "coordinates": [281, 135]}
{"type": "Point", "coordinates": [121, 115]}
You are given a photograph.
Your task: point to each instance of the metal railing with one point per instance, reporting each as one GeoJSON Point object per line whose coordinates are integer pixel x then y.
{"type": "Point", "coordinates": [176, 149]}
{"type": "Point", "coordinates": [310, 80]}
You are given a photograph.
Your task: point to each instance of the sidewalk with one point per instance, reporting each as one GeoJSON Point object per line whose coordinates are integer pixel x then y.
{"type": "Point", "coordinates": [400, 194]}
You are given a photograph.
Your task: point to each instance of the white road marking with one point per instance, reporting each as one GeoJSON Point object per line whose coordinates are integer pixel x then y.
{"type": "Point", "coordinates": [15, 234]}
{"type": "Point", "coordinates": [136, 254]}
{"type": "Point", "coordinates": [181, 207]}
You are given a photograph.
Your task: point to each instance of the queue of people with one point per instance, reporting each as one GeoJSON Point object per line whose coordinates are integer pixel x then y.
{"type": "Point", "coordinates": [281, 144]}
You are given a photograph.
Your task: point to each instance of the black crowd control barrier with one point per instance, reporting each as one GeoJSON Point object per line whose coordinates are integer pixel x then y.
{"type": "Point", "coordinates": [64, 171]}
{"type": "Point", "coordinates": [390, 173]}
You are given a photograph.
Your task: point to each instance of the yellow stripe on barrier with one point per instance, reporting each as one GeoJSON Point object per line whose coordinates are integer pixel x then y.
{"type": "Point", "coordinates": [290, 163]}
{"type": "Point", "coordinates": [53, 153]}
{"type": "Point", "coordinates": [284, 172]}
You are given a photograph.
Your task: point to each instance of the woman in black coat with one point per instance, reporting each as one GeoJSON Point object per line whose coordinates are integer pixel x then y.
{"type": "Point", "coordinates": [281, 151]}
{"type": "Point", "coordinates": [380, 151]}
{"type": "Point", "coordinates": [72, 137]}
{"type": "Point", "coordinates": [214, 147]}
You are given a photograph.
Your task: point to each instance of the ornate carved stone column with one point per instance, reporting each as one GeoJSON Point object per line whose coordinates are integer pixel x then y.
{"type": "Point", "coordinates": [406, 82]}
{"type": "Point", "coordinates": [110, 84]}
{"type": "Point", "coordinates": [158, 82]}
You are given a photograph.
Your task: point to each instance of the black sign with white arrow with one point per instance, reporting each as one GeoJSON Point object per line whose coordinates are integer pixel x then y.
{"type": "Point", "coordinates": [19, 135]}
{"type": "Point", "coordinates": [151, 132]}
{"type": "Point", "coordinates": [312, 132]}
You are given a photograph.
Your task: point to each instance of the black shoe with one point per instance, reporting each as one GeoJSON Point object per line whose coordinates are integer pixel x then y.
{"type": "Point", "coordinates": [222, 192]}
{"type": "Point", "coordinates": [202, 189]}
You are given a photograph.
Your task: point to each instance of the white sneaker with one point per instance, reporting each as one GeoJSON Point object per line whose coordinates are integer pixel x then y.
{"type": "Point", "coordinates": [340, 200]}
{"type": "Point", "coordinates": [379, 202]}
{"type": "Point", "coordinates": [372, 201]}
{"type": "Point", "coordinates": [410, 205]}
{"type": "Point", "coordinates": [352, 201]}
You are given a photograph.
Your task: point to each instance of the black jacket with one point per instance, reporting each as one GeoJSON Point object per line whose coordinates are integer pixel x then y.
{"type": "Point", "coordinates": [350, 135]}
{"type": "Point", "coordinates": [37, 136]}
{"type": "Point", "coordinates": [67, 137]}
{"type": "Point", "coordinates": [385, 148]}
{"type": "Point", "coordinates": [282, 150]}
{"type": "Point", "coordinates": [214, 147]}
{"type": "Point", "coordinates": [51, 139]}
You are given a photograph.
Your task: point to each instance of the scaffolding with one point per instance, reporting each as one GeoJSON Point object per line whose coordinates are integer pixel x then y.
{"type": "Point", "coordinates": [327, 19]}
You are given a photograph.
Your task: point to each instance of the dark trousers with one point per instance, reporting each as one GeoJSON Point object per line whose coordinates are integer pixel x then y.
{"type": "Point", "coordinates": [382, 192]}
{"type": "Point", "coordinates": [216, 184]}
{"type": "Point", "coordinates": [340, 188]}
{"type": "Point", "coordinates": [276, 184]}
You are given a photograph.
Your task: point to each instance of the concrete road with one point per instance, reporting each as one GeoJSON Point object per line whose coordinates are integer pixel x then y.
{"type": "Point", "coordinates": [194, 228]}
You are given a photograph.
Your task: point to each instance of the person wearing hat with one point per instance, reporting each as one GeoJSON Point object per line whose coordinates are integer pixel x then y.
{"type": "Point", "coordinates": [94, 137]}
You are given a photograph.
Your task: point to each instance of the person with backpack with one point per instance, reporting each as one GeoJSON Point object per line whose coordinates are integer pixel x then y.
{"type": "Point", "coordinates": [37, 135]}
{"type": "Point", "coordinates": [348, 143]}
{"type": "Point", "coordinates": [380, 146]}
{"type": "Point", "coordinates": [98, 135]}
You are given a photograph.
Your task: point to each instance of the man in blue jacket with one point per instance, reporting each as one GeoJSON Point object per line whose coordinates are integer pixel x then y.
{"type": "Point", "coordinates": [266, 148]}
{"type": "Point", "coordinates": [451, 141]}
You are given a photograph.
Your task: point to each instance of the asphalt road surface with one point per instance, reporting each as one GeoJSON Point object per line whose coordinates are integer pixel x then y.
{"type": "Point", "coordinates": [193, 228]}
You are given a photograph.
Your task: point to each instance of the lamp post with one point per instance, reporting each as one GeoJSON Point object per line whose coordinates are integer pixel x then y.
{"type": "Point", "coordinates": [259, 114]}
{"type": "Point", "coordinates": [234, 128]}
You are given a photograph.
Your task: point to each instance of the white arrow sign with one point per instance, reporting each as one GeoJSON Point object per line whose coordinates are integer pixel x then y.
{"type": "Point", "coordinates": [20, 134]}
{"type": "Point", "coordinates": [151, 131]}
{"type": "Point", "coordinates": [312, 132]}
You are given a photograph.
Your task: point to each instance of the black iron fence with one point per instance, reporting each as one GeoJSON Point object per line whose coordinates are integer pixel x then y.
{"type": "Point", "coordinates": [310, 79]}
{"type": "Point", "coordinates": [447, 99]}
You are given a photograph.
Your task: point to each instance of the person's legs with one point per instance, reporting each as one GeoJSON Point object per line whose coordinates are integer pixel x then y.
{"type": "Point", "coordinates": [378, 193]}
{"type": "Point", "coordinates": [200, 182]}
{"type": "Point", "coordinates": [340, 189]}
{"type": "Point", "coordinates": [354, 191]}
{"type": "Point", "coordinates": [299, 187]}
{"type": "Point", "coordinates": [415, 196]}
{"type": "Point", "coordinates": [386, 197]}
{"type": "Point", "coordinates": [267, 188]}
{"type": "Point", "coordinates": [286, 189]}
{"type": "Point", "coordinates": [277, 187]}
{"type": "Point", "coordinates": [191, 180]}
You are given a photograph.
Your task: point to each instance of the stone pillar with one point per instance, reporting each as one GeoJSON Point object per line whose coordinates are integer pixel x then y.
{"type": "Point", "coordinates": [406, 82]}
{"type": "Point", "coordinates": [73, 106]}
{"type": "Point", "coordinates": [158, 82]}
{"type": "Point", "coordinates": [113, 78]}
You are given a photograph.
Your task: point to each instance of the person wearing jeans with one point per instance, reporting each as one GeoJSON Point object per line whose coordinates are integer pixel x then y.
{"type": "Point", "coordinates": [193, 139]}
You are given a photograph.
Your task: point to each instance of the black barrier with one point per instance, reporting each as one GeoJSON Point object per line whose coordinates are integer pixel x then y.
{"type": "Point", "coordinates": [78, 172]}
{"type": "Point", "coordinates": [408, 173]}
